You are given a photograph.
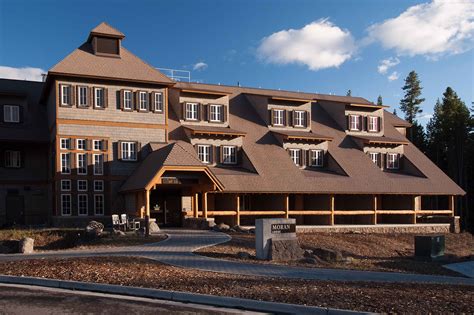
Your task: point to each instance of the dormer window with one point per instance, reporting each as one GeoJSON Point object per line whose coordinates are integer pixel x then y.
{"type": "Point", "coordinates": [229, 155]}
{"type": "Point", "coordinates": [299, 118]}
{"type": "Point", "coordinates": [204, 153]}
{"type": "Point", "coordinates": [375, 157]}
{"type": "Point", "coordinates": [373, 123]}
{"type": "Point", "coordinates": [295, 155]}
{"type": "Point", "coordinates": [316, 158]}
{"type": "Point", "coordinates": [354, 122]}
{"type": "Point", "coordinates": [278, 117]}
{"type": "Point", "coordinates": [393, 160]}
{"type": "Point", "coordinates": [216, 113]}
{"type": "Point", "coordinates": [65, 95]}
{"type": "Point", "coordinates": [192, 111]}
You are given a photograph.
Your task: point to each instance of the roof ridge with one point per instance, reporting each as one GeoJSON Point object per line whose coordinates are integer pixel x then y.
{"type": "Point", "coordinates": [145, 63]}
{"type": "Point", "coordinates": [103, 23]}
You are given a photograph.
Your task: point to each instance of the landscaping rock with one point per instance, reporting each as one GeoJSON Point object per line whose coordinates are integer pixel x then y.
{"type": "Point", "coordinates": [243, 255]}
{"type": "Point", "coordinates": [118, 232]}
{"type": "Point", "coordinates": [283, 250]}
{"type": "Point", "coordinates": [94, 229]}
{"type": "Point", "coordinates": [311, 260]}
{"type": "Point", "coordinates": [221, 227]}
{"type": "Point", "coordinates": [348, 260]}
{"type": "Point", "coordinates": [154, 228]}
{"type": "Point", "coordinates": [199, 223]}
{"type": "Point", "coordinates": [252, 230]}
{"type": "Point", "coordinates": [26, 245]}
{"type": "Point", "coordinates": [240, 229]}
{"type": "Point", "coordinates": [329, 255]}
{"type": "Point", "coordinates": [308, 253]}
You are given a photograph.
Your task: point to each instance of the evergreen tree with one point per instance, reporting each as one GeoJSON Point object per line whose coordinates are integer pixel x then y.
{"type": "Point", "coordinates": [410, 104]}
{"type": "Point", "coordinates": [379, 100]}
{"type": "Point", "coordinates": [349, 93]}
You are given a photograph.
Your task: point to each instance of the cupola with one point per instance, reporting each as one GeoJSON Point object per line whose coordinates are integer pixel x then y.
{"type": "Point", "coordinates": [105, 40]}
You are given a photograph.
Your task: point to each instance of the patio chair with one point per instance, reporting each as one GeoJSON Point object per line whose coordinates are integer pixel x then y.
{"type": "Point", "coordinates": [116, 222]}
{"type": "Point", "coordinates": [124, 221]}
{"type": "Point", "coordinates": [133, 224]}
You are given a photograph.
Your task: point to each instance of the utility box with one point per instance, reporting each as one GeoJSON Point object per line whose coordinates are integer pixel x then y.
{"type": "Point", "coordinates": [429, 247]}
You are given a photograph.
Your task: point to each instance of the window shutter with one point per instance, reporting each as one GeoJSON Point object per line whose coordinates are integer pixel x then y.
{"type": "Point", "coordinates": [291, 118]}
{"type": "Point", "coordinates": [199, 110]}
{"type": "Point", "coordinates": [285, 120]}
{"type": "Point", "coordinates": [221, 154]}
{"type": "Point", "coordinates": [365, 125]}
{"type": "Point", "coordinates": [379, 125]}
{"type": "Point", "coordinates": [239, 155]}
{"type": "Point", "coordinates": [379, 159]}
{"type": "Point", "coordinates": [325, 156]}
{"type": "Point", "coordinates": [105, 145]}
{"type": "Point", "coordinates": [303, 157]}
{"type": "Point", "coordinates": [21, 113]}
{"type": "Point", "coordinates": [306, 119]}
{"type": "Point", "coordinates": [106, 98]}
{"type": "Point", "coordinates": [383, 160]}
{"type": "Point", "coordinates": [122, 99]}
{"type": "Point", "coordinates": [400, 161]}
{"type": "Point", "coordinates": [73, 95]}
{"type": "Point", "coordinates": [137, 101]}
{"type": "Point", "coordinates": [22, 158]}
{"type": "Point", "coordinates": [2, 158]}
{"type": "Point", "coordinates": [139, 151]}
{"type": "Point", "coordinates": [205, 112]}
{"type": "Point", "coordinates": [224, 113]}
{"type": "Point", "coordinates": [183, 111]}
{"type": "Point", "coordinates": [348, 122]}
{"type": "Point", "coordinates": [211, 154]}
{"type": "Point", "coordinates": [216, 157]}
{"type": "Point", "coordinates": [72, 141]}
{"type": "Point", "coordinates": [119, 150]}
{"type": "Point", "coordinates": [270, 116]}
{"type": "Point", "coordinates": [90, 101]}
{"type": "Point", "coordinates": [151, 101]}
{"type": "Point", "coordinates": [88, 97]}
{"type": "Point", "coordinates": [2, 112]}
{"type": "Point", "coordinates": [360, 123]}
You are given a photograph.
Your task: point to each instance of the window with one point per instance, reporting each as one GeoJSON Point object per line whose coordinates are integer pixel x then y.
{"type": "Point", "coordinates": [82, 204]}
{"type": "Point", "coordinates": [98, 185]}
{"type": "Point", "coordinates": [295, 155]}
{"type": "Point", "coordinates": [375, 157]}
{"type": "Point", "coordinates": [354, 122]}
{"type": "Point", "coordinates": [11, 113]}
{"type": "Point", "coordinates": [65, 163]}
{"type": "Point", "coordinates": [192, 111]}
{"type": "Point", "coordinates": [81, 163]}
{"type": "Point", "coordinates": [65, 185]}
{"type": "Point", "coordinates": [82, 96]}
{"type": "Point", "coordinates": [299, 118]}
{"type": "Point", "coordinates": [99, 97]}
{"type": "Point", "coordinates": [66, 204]}
{"type": "Point", "coordinates": [82, 185]}
{"type": "Point", "coordinates": [12, 159]}
{"type": "Point", "coordinates": [65, 95]}
{"type": "Point", "coordinates": [392, 161]}
{"type": "Point", "coordinates": [316, 158]}
{"type": "Point", "coordinates": [129, 151]}
{"type": "Point", "coordinates": [158, 102]}
{"type": "Point", "coordinates": [229, 155]}
{"type": "Point", "coordinates": [216, 113]}
{"type": "Point", "coordinates": [98, 164]}
{"type": "Point", "coordinates": [81, 144]}
{"type": "Point", "coordinates": [143, 101]}
{"type": "Point", "coordinates": [99, 204]}
{"type": "Point", "coordinates": [65, 144]}
{"type": "Point", "coordinates": [204, 153]}
{"type": "Point", "coordinates": [127, 100]}
{"type": "Point", "coordinates": [373, 123]}
{"type": "Point", "coordinates": [98, 145]}
{"type": "Point", "coordinates": [278, 117]}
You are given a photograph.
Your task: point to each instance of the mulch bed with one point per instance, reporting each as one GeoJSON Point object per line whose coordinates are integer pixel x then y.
{"type": "Point", "coordinates": [374, 297]}
{"type": "Point", "coordinates": [376, 252]}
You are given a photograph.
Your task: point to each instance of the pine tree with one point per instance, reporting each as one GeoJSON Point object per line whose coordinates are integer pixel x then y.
{"type": "Point", "coordinates": [349, 93]}
{"type": "Point", "coordinates": [379, 100]}
{"type": "Point", "coordinates": [410, 104]}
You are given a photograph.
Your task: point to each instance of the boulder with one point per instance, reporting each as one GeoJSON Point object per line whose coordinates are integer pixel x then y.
{"type": "Point", "coordinates": [283, 250]}
{"type": "Point", "coordinates": [243, 255]}
{"type": "Point", "coordinates": [311, 260]}
{"type": "Point", "coordinates": [329, 255]}
{"type": "Point", "coordinates": [308, 253]}
{"type": "Point", "coordinates": [119, 233]}
{"type": "Point", "coordinates": [154, 228]}
{"type": "Point", "coordinates": [221, 227]}
{"type": "Point", "coordinates": [94, 228]}
{"type": "Point", "coordinates": [26, 245]}
{"type": "Point", "coordinates": [199, 223]}
{"type": "Point", "coordinates": [240, 229]}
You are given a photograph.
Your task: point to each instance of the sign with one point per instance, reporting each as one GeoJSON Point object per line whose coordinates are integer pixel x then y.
{"type": "Point", "coordinates": [170, 180]}
{"type": "Point", "coordinates": [283, 228]}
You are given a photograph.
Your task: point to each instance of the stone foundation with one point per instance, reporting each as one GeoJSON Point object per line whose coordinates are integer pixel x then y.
{"type": "Point", "coordinates": [198, 223]}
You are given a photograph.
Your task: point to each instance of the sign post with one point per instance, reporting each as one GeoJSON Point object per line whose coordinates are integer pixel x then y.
{"type": "Point", "coordinates": [267, 230]}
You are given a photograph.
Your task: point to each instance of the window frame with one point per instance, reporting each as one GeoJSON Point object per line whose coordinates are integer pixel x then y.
{"type": "Point", "coordinates": [125, 147]}
{"type": "Point", "coordinates": [62, 205]}
{"type": "Point", "coordinates": [62, 186]}
{"type": "Point", "coordinates": [218, 113]}
{"type": "Point", "coordinates": [11, 119]}
{"type": "Point", "coordinates": [128, 100]}
{"type": "Point", "coordinates": [95, 167]}
{"type": "Point", "coordinates": [358, 126]}
{"type": "Point", "coordinates": [81, 169]}
{"type": "Point", "coordinates": [276, 117]}
{"type": "Point", "coordinates": [158, 105]}
{"type": "Point", "coordinates": [82, 147]}
{"type": "Point", "coordinates": [144, 101]}
{"type": "Point", "coordinates": [79, 96]}
{"type": "Point", "coordinates": [99, 181]}
{"type": "Point", "coordinates": [101, 145]}
{"type": "Point", "coordinates": [232, 154]}
{"type": "Point", "coordinates": [297, 114]}
{"type": "Point", "coordinates": [377, 158]}
{"type": "Point", "coordinates": [319, 156]}
{"type": "Point", "coordinates": [395, 161]}
{"type": "Point", "coordinates": [17, 160]}
{"type": "Point", "coordinates": [79, 205]}
{"type": "Point", "coordinates": [68, 143]}
{"type": "Point", "coordinates": [205, 153]}
{"type": "Point", "coordinates": [95, 204]}
{"type": "Point", "coordinates": [96, 96]}
{"type": "Point", "coordinates": [68, 88]}
{"type": "Point", "coordinates": [65, 169]}
{"type": "Point", "coordinates": [296, 158]}
{"type": "Point", "coordinates": [79, 181]}
{"type": "Point", "coordinates": [190, 108]}
{"type": "Point", "coordinates": [375, 124]}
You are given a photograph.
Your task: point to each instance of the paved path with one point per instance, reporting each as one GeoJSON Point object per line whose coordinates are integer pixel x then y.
{"type": "Point", "coordinates": [178, 250]}
{"type": "Point", "coordinates": [465, 268]}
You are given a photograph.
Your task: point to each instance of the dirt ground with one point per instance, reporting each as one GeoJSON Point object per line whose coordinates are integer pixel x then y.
{"type": "Point", "coordinates": [374, 297]}
{"type": "Point", "coordinates": [381, 252]}
{"type": "Point", "coordinates": [55, 239]}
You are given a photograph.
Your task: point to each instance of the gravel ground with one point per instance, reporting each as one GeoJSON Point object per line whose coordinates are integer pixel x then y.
{"type": "Point", "coordinates": [376, 252]}
{"type": "Point", "coordinates": [375, 297]}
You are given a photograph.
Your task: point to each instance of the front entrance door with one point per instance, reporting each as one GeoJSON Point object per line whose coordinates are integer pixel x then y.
{"type": "Point", "coordinates": [166, 207]}
{"type": "Point", "coordinates": [15, 206]}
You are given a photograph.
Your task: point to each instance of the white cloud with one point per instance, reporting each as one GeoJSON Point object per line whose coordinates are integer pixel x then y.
{"type": "Point", "coordinates": [200, 66]}
{"type": "Point", "coordinates": [430, 29]}
{"type": "Point", "coordinates": [386, 64]}
{"type": "Point", "coordinates": [26, 73]}
{"type": "Point", "coordinates": [394, 76]}
{"type": "Point", "coordinates": [317, 45]}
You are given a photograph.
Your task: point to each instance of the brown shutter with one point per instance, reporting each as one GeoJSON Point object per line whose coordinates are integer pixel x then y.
{"type": "Point", "coordinates": [360, 123]}
{"type": "Point", "coordinates": [106, 98]}
{"type": "Point", "coordinates": [205, 110]}
{"type": "Point", "coordinates": [271, 114]}
{"type": "Point", "coordinates": [199, 109]}
{"type": "Point", "coordinates": [211, 154]}
{"type": "Point", "coordinates": [348, 121]}
{"type": "Point", "coordinates": [73, 143]}
{"type": "Point", "coordinates": [239, 155]}
{"type": "Point", "coordinates": [119, 150]}
{"type": "Point", "coordinates": [137, 100]}
{"type": "Point", "coordinates": [304, 157]}
{"type": "Point", "coordinates": [306, 119]}
{"type": "Point", "coordinates": [221, 155]}
{"type": "Point", "coordinates": [139, 151]}
{"type": "Point", "coordinates": [122, 99]}
{"type": "Point", "coordinates": [383, 160]}
{"type": "Point", "coordinates": [183, 111]}
{"type": "Point", "coordinates": [91, 97]}
{"type": "Point", "coordinates": [216, 157]}
{"type": "Point", "coordinates": [151, 101]}
{"type": "Point", "coordinates": [379, 159]}
{"type": "Point", "coordinates": [325, 156]}
{"type": "Point", "coordinates": [400, 161]}
{"type": "Point", "coordinates": [73, 95]}
{"type": "Point", "coordinates": [291, 118]}
{"type": "Point", "coordinates": [105, 145]}
{"type": "Point", "coordinates": [379, 125]}
{"type": "Point", "coordinates": [224, 113]}
{"type": "Point", "coordinates": [365, 125]}
{"type": "Point", "coordinates": [284, 117]}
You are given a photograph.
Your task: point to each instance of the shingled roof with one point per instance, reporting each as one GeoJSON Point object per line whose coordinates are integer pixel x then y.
{"type": "Point", "coordinates": [107, 30]}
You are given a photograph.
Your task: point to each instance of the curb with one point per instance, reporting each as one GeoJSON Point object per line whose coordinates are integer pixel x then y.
{"type": "Point", "coordinates": [182, 297]}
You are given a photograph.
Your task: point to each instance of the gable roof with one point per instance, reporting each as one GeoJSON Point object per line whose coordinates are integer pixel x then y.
{"type": "Point", "coordinates": [107, 30]}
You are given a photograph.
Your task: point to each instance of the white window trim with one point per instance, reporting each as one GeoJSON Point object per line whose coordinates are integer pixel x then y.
{"type": "Point", "coordinates": [79, 99]}
{"type": "Point", "coordinates": [277, 117]}
{"type": "Point", "coordinates": [68, 167]}
{"type": "Point", "coordinates": [13, 118]}
{"type": "Point", "coordinates": [101, 146]}
{"type": "Point", "coordinates": [84, 141]}
{"type": "Point", "coordinates": [83, 181]}
{"type": "Point", "coordinates": [218, 113]}
{"type": "Point", "coordinates": [70, 205]}
{"type": "Point", "coordinates": [94, 164]}
{"type": "Point", "coordinates": [68, 142]}
{"type": "Point", "coordinates": [230, 148]}
{"type": "Point", "coordinates": [142, 102]}
{"type": "Point", "coordinates": [17, 159]}
{"type": "Point", "coordinates": [189, 109]}
{"type": "Point", "coordinates": [96, 103]}
{"type": "Point", "coordinates": [206, 153]}
{"type": "Point", "coordinates": [375, 124]}
{"type": "Point", "coordinates": [316, 152]}
{"type": "Point", "coordinates": [96, 181]}
{"type": "Point", "coordinates": [65, 87]}
{"type": "Point", "coordinates": [158, 104]}
{"type": "Point", "coordinates": [396, 161]}
{"type": "Point", "coordinates": [300, 115]}
{"type": "Point", "coordinates": [77, 163]}
{"type": "Point", "coordinates": [78, 205]}
{"type": "Point", "coordinates": [295, 155]}
{"type": "Point", "coordinates": [377, 157]}
{"type": "Point", "coordinates": [128, 101]}
{"type": "Point", "coordinates": [132, 155]}
{"type": "Point", "coordinates": [95, 204]}
{"type": "Point", "coordinates": [65, 181]}
{"type": "Point", "coordinates": [357, 123]}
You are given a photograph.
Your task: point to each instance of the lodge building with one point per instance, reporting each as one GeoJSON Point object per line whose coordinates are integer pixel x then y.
{"type": "Point", "coordinates": [107, 133]}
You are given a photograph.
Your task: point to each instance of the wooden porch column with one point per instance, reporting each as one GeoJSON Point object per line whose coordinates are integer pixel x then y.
{"type": "Point", "coordinates": [416, 206]}
{"type": "Point", "coordinates": [287, 206]}
{"type": "Point", "coordinates": [375, 209]}
{"type": "Point", "coordinates": [332, 209]}
{"type": "Point", "coordinates": [147, 202]}
{"type": "Point", "coordinates": [196, 205]}
{"type": "Point", "coordinates": [237, 208]}
{"type": "Point", "coordinates": [204, 205]}
{"type": "Point", "coordinates": [452, 204]}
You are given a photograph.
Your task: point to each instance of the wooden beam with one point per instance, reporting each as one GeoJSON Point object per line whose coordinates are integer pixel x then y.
{"type": "Point", "coordinates": [310, 212]}
{"type": "Point", "coordinates": [434, 212]}
{"type": "Point", "coordinates": [237, 214]}
{"type": "Point", "coordinates": [416, 207]}
{"type": "Point", "coordinates": [332, 209]}
{"type": "Point", "coordinates": [196, 205]}
{"type": "Point", "coordinates": [287, 206]}
{"type": "Point", "coordinates": [375, 210]}
{"type": "Point", "coordinates": [353, 212]}
{"type": "Point", "coordinates": [204, 205]}
{"type": "Point", "coordinates": [452, 204]}
{"type": "Point", "coordinates": [268, 212]}
{"type": "Point", "coordinates": [223, 213]}
{"type": "Point", "coordinates": [147, 200]}
{"type": "Point", "coordinates": [395, 211]}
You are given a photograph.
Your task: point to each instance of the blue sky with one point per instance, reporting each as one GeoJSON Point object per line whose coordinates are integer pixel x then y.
{"type": "Point", "coordinates": [315, 46]}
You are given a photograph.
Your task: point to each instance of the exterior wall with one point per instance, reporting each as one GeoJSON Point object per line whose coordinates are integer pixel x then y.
{"type": "Point", "coordinates": [336, 111]}
{"type": "Point", "coordinates": [402, 130]}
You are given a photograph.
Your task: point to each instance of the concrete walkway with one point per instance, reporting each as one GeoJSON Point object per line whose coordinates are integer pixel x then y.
{"type": "Point", "coordinates": [178, 249]}
{"type": "Point", "coordinates": [464, 268]}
